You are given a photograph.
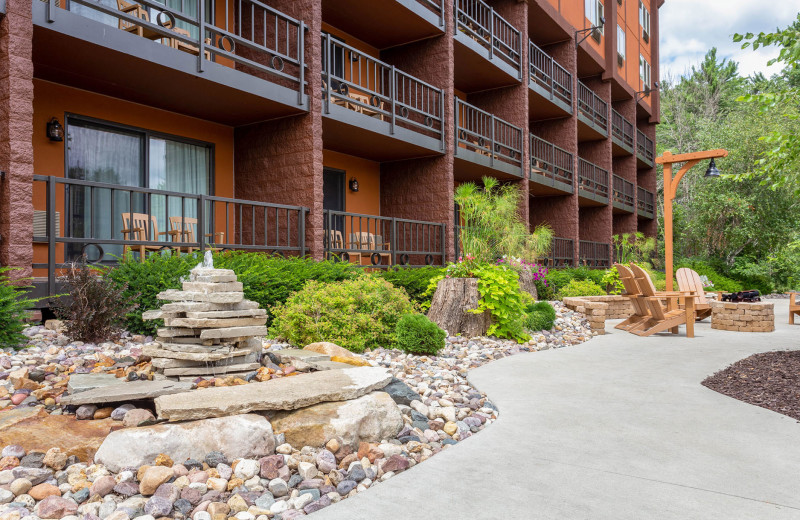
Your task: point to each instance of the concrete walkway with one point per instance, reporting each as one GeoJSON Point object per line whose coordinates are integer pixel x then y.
{"type": "Point", "coordinates": [615, 428]}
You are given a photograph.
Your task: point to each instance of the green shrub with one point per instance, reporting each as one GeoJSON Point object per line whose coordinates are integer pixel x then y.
{"type": "Point", "coordinates": [539, 316]}
{"type": "Point", "coordinates": [414, 280]}
{"type": "Point", "coordinates": [95, 307]}
{"type": "Point", "coordinates": [419, 335]}
{"type": "Point", "coordinates": [580, 288]}
{"type": "Point", "coordinates": [559, 278]}
{"type": "Point", "coordinates": [355, 314]}
{"type": "Point", "coordinates": [13, 306]}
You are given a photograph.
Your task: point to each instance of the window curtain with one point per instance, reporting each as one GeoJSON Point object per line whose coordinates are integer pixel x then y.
{"type": "Point", "coordinates": [88, 12]}
{"type": "Point", "coordinates": [189, 8]}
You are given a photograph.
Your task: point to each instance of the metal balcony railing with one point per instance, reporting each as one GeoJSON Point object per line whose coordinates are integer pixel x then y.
{"type": "Point", "coordinates": [551, 162]}
{"type": "Point", "coordinates": [623, 196]}
{"type": "Point", "coordinates": [101, 220]}
{"type": "Point", "coordinates": [592, 181]}
{"type": "Point", "coordinates": [645, 148]}
{"type": "Point", "coordinates": [480, 22]}
{"type": "Point", "coordinates": [547, 73]}
{"type": "Point", "coordinates": [592, 107]}
{"type": "Point", "coordinates": [645, 203]}
{"type": "Point", "coordinates": [374, 241]}
{"type": "Point", "coordinates": [486, 134]}
{"type": "Point", "coordinates": [562, 254]}
{"type": "Point", "coordinates": [257, 40]}
{"type": "Point", "coordinates": [621, 129]}
{"type": "Point", "coordinates": [435, 6]}
{"type": "Point", "coordinates": [596, 255]}
{"type": "Point", "coordinates": [361, 83]}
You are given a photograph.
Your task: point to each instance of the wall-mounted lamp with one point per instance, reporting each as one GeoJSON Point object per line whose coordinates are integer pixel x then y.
{"type": "Point", "coordinates": [647, 90]}
{"type": "Point", "coordinates": [353, 184]}
{"type": "Point", "coordinates": [588, 32]}
{"type": "Point", "coordinates": [55, 132]}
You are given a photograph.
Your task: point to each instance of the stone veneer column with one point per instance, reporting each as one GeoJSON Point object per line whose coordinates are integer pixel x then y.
{"type": "Point", "coordinates": [647, 178]}
{"type": "Point", "coordinates": [16, 133]}
{"type": "Point", "coordinates": [625, 167]}
{"type": "Point", "coordinates": [280, 161]}
{"type": "Point", "coordinates": [422, 189]}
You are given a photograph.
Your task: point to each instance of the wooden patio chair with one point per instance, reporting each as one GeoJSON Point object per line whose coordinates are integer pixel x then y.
{"type": "Point", "coordinates": [367, 242]}
{"type": "Point", "coordinates": [336, 241]}
{"type": "Point", "coordinates": [640, 314]}
{"type": "Point", "coordinates": [661, 320]}
{"type": "Point", "coordinates": [185, 47]}
{"type": "Point", "coordinates": [133, 9]}
{"type": "Point", "coordinates": [141, 227]}
{"type": "Point", "coordinates": [794, 307]}
{"type": "Point", "coordinates": [184, 229]}
{"type": "Point", "coordinates": [689, 280]}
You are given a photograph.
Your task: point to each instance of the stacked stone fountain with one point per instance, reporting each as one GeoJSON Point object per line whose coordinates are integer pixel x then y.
{"type": "Point", "coordinates": [210, 329]}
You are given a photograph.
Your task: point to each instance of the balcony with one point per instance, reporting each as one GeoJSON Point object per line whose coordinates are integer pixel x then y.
{"type": "Point", "coordinates": [645, 203]}
{"type": "Point", "coordinates": [592, 115]}
{"type": "Point", "coordinates": [562, 254]}
{"type": "Point", "coordinates": [552, 169]}
{"type": "Point", "coordinates": [621, 134]}
{"type": "Point", "coordinates": [592, 184]}
{"type": "Point", "coordinates": [375, 111]}
{"type": "Point", "coordinates": [484, 141]}
{"type": "Point", "coordinates": [549, 82]}
{"type": "Point", "coordinates": [198, 61]}
{"type": "Point", "coordinates": [75, 217]}
{"type": "Point", "coordinates": [488, 49]}
{"type": "Point", "coordinates": [373, 241]}
{"type": "Point", "coordinates": [596, 255]}
{"type": "Point", "coordinates": [386, 23]}
{"type": "Point", "coordinates": [622, 195]}
{"type": "Point", "coordinates": [645, 150]}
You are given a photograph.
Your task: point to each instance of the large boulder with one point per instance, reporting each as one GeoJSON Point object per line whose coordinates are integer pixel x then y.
{"type": "Point", "coordinates": [38, 429]}
{"type": "Point", "coordinates": [370, 418]}
{"type": "Point", "coordinates": [329, 349]}
{"type": "Point", "coordinates": [237, 437]}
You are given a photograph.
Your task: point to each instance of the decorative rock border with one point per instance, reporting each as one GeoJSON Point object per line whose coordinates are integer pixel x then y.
{"type": "Point", "coordinates": [598, 309]}
{"type": "Point", "coordinates": [743, 317]}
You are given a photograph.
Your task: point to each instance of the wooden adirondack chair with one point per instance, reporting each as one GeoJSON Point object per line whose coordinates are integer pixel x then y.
{"type": "Point", "coordinates": [184, 229]}
{"type": "Point", "coordinates": [142, 228]}
{"type": "Point", "coordinates": [661, 320]}
{"type": "Point", "coordinates": [794, 307]}
{"type": "Point", "coordinates": [640, 314]}
{"type": "Point", "coordinates": [689, 280]}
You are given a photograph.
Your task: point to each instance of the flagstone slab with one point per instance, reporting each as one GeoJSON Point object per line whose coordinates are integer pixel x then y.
{"type": "Point", "coordinates": [213, 287]}
{"type": "Point", "coordinates": [289, 393]}
{"type": "Point", "coordinates": [291, 354]}
{"type": "Point", "coordinates": [206, 306]}
{"type": "Point", "coordinates": [227, 314]}
{"type": "Point", "coordinates": [215, 322]}
{"type": "Point", "coordinates": [127, 391]}
{"type": "Point", "coordinates": [193, 296]}
{"type": "Point", "coordinates": [155, 352]}
{"type": "Point", "coordinates": [83, 382]}
{"type": "Point", "coordinates": [213, 370]}
{"type": "Point", "coordinates": [234, 332]}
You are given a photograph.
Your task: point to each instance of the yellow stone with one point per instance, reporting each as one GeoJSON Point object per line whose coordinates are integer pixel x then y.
{"type": "Point", "coordinates": [355, 361]}
{"type": "Point", "coordinates": [162, 459]}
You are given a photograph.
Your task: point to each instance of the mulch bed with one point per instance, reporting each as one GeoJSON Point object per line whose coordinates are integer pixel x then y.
{"type": "Point", "coordinates": [770, 380]}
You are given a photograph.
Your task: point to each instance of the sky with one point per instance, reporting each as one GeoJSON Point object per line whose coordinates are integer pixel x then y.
{"type": "Point", "coordinates": [689, 28]}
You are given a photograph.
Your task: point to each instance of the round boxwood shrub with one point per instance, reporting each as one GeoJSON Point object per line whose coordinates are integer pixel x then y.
{"type": "Point", "coordinates": [419, 335]}
{"type": "Point", "coordinates": [539, 316]}
{"type": "Point", "coordinates": [355, 314]}
{"type": "Point", "coordinates": [581, 288]}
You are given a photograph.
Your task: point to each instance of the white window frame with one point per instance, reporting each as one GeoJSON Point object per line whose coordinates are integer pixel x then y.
{"type": "Point", "coordinates": [644, 20]}
{"type": "Point", "coordinates": [644, 73]}
{"type": "Point", "coordinates": [593, 11]}
{"type": "Point", "coordinates": [621, 37]}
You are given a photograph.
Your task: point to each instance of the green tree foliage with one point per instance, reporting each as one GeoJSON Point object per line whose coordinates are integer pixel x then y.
{"type": "Point", "coordinates": [13, 308]}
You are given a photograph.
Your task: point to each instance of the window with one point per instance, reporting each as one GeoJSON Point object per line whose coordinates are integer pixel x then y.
{"type": "Point", "coordinates": [644, 21]}
{"type": "Point", "coordinates": [620, 45]}
{"type": "Point", "coordinates": [644, 73]}
{"type": "Point", "coordinates": [595, 11]}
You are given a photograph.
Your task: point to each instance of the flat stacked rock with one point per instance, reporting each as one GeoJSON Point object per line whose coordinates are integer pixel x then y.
{"type": "Point", "coordinates": [210, 329]}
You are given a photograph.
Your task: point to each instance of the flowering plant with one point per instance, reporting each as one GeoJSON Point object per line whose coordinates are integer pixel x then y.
{"type": "Point", "coordinates": [517, 264]}
{"type": "Point", "coordinates": [464, 268]}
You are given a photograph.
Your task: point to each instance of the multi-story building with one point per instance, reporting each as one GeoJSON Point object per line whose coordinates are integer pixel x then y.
{"type": "Point", "coordinates": [319, 126]}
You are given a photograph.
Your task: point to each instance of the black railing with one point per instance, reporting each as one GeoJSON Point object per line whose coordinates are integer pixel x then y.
{"type": "Point", "coordinates": [435, 6]}
{"type": "Point", "coordinates": [547, 73]}
{"type": "Point", "coordinates": [562, 254]}
{"type": "Point", "coordinates": [592, 107]}
{"type": "Point", "coordinates": [361, 83]}
{"type": "Point", "coordinates": [621, 129]}
{"type": "Point", "coordinates": [104, 220]}
{"type": "Point", "coordinates": [480, 22]}
{"type": "Point", "coordinates": [645, 148]}
{"type": "Point", "coordinates": [596, 255]}
{"type": "Point", "coordinates": [551, 162]}
{"type": "Point", "coordinates": [487, 134]}
{"type": "Point", "coordinates": [592, 181]}
{"type": "Point", "coordinates": [623, 196]}
{"type": "Point", "coordinates": [251, 36]}
{"type": "Point", "coordinates": [374, 241]}
{"type": "Point", "coordinates": [645, 203]}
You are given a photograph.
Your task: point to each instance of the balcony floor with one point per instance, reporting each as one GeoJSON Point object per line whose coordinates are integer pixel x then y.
{"type": "Point", "coordinates": [588, 130]}
{"type": "Point", "coordinates": [475, 71]}
{"type": "Point", "coordinates": [619, 148]}
{"type": "Point", "coordinates": [542, 186]}
{"type": "Point", "coordinates": [642, 162]}
{"type": "Point", "coordinates": [622, 209]}
{"type": "Point", "coordinates": [588, 199]}
{"type": "Point", "coordinates": [471, 166]}
{"type": "Point", "coordinates": [541, 106]}
{"type": "Point", "coordinates": [90, 55]}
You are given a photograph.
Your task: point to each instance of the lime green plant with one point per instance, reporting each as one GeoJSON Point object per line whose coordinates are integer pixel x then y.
{"type": "Point", "coordinates": [491, 226]}
{"type": "Point", "coordinates": [580, 288]}
{"type": "Point", "coordinates": [612, 282]}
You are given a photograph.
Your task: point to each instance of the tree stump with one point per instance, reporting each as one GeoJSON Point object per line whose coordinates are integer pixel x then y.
{"type": "Point", "coordinates": [526, 283]}
{"type": "Point", "coordinates": [451, 301]}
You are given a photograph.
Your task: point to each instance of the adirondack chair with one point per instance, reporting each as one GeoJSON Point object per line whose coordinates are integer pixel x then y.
{"type": "Point", "coordinates": [141, 227]}
{"type": "Point", "coordinates": [184, 229]}
{"type": "Point", "coordinates": [794, 307]}
{"type": "Point", "coordinates": [661, 320]}
{"type": "Point", "coordinates": [640, 314]}
{"type": "Point", "coordinates": [689, 280]}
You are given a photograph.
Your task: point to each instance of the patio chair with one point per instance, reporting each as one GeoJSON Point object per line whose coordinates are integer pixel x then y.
{"type": "Point", "coordinates": [142, 227]}
{"type": "Point", "coordinates": [185, 47]}
{"type": "Point", "coordinates": [369, 243]}
{"type": "Point", "coordinates": [689, 280]}
{"type": "Point", "coordinates": [184, 229]}
{"type": "Point", "coordinates": [661, 320]}
{"type": "Point", "coordinates": [336, 242]}
{"type": "Point", "coordinates": [132, 9]}
{"type": "Point", "coordinates": [794, 307]}
{"type": "Point", "coordinates": [640, 314]}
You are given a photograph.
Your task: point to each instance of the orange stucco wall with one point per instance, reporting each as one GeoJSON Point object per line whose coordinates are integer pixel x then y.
{"type": "Point", "coordinates": [368, 173]}
{"type": "Point", "coordinates": [53, 100]}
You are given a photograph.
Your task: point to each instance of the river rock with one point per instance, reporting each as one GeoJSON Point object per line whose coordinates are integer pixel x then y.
{"type": "Point", "coordinates": [369, 418]}
{"type": "Point", "coordinates": [54, 507]}
{"type": "Point", "coordinates": [400, 392]}
{"type": "Point", "coordinates": [236, 437]}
